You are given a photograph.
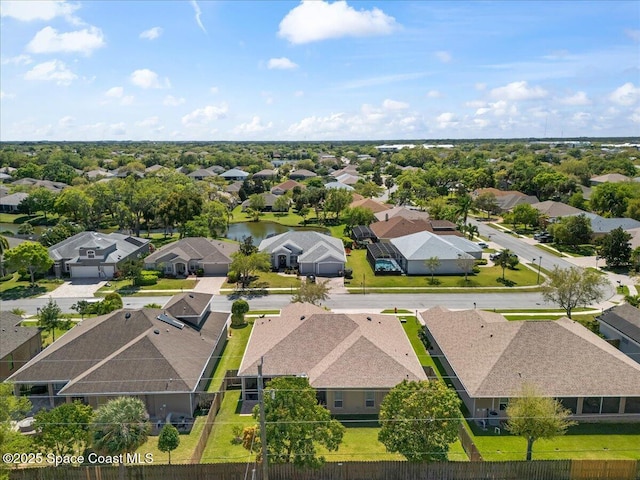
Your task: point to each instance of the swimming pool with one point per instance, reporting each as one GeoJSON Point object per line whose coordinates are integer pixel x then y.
{"type": "Point", "coordinates": [387, 265]}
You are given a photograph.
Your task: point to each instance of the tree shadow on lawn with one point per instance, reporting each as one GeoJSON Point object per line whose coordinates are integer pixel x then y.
{"type": "Point", "coordinates": [259, 290]}
{"type": "Point", "coordinates": [605, 429]}
{"type": "Point", "coordinates": [22, 291]}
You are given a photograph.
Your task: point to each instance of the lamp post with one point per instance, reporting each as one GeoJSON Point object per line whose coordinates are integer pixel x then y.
{"type": "Point", "coordinates": [597, 258]}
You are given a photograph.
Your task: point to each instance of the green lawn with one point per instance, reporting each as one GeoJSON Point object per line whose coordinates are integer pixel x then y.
{"type": "Point", "coordinates": [263, 312]}
{"type": "Point", "coordinates": [586, 441]}
{"type": "Point", "coordinates": [289, 219]}
{"type": "Point", "coordinates": [549, 250]}
{"type": "Point", "coordinates": [393, 310]}
{"type": "Point", "coordinates": [231, 355]}
{"type": "Point", "coordinates": [357, 261]}
{"type": "Point", "coordinates": [411, 328]}
{"type": "Point", "coordinates": [163, 284]}
{"type": "Point", "coordinates": [270, 280]}
{"type": "Point", "coordinates": [586, 250]}
{"type": "Point", "coordinates": [183, 453]}
{"type": "Point", "coordinates": [160, 240]}
{"type": "Point", "coordinates": [15, 288]}
{"type": "Point", "coordinates": [47, 336]}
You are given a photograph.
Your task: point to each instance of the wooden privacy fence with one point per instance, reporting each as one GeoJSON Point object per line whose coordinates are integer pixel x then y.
{"type": "Point", "coordinates": [467, 444]}
{"type": "Point", "coordinates": [206, 431]}
{"type": "Point", "coordinates": [534, 470]}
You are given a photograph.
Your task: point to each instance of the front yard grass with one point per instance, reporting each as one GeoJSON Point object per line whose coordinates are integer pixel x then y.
{"type": "Point", "coordinates": [16, 288]}
{"type": "Point", "coordinates": [121, 286]}
{"type": "Point", "coordinates": [592, 441]}
{"type": "Point", "coordinates": [357, 261]}
{"type": "Point", "coordinates": [270, 280]}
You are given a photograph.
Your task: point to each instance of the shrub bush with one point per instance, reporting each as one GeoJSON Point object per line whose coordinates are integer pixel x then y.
{"type": "Point", "coordinates": [6, 278]}
{"type": "Point", "coordinates": [151, 273]}
{"type": "Point", "coordinates": [200, 272]}
{"type": "Point", "coordinates": [233, 277]}
{"type": "Point", "coordinates": [482, 261]}
{"type": "Point", "coordinates": [348, 243]}
{"type": "Point", "coordinates": [146, 280]}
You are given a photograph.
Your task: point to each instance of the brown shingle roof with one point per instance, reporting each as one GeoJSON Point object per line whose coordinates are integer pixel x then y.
{"type": "Point", "coordinates": [188, 304]}
{"type": "Point", "coordinates": [371, 204]}
{"type": "Point", "coordinates": [127, 351]}
{"type": "Point", "coordinates": [493, 357]}
{"type": "Point", "coordinates": [194, 248]}
{"type": "Point", "coordinates": [333, 350]}
{"type": "Point", "coordinates": [12, 335]}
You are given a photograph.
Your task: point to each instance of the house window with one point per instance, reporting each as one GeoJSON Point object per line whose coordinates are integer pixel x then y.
{"type": "Point", "coordinates": [570, 403]}
{"type": "Point", "coordinates": [610, 404]}
{"type": "Point", "coordinates": [591, 405]}
{"type": "Point", "coordinates": [369, 399]}
{"type": "Point", "coordinates": [91, 254]}
{"type": "Point", "coordinates": [503, 403]}
{"type": "Point", "coordinates": [337, 399]}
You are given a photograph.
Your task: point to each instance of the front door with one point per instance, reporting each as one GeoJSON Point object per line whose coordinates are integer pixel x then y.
{"type": "Point", "coordinates": [282, 261]}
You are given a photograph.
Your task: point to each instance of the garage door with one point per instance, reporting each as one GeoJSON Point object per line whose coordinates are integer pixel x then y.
{"type": "Point", "coordinates": [216, 268]}
{"type": "Point", "coordinates": [84, 272]}
{"type": "Point", "coordinates": [109, 271]}
{"type": "Point", "coordinates": [329, 268]}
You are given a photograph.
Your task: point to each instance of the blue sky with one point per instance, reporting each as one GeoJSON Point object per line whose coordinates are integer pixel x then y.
{"type": "Point", "coordinates": [315, 70]}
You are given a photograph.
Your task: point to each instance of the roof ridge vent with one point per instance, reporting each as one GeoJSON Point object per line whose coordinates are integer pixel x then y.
{"type": "Point", "coordinates": [163, 317]}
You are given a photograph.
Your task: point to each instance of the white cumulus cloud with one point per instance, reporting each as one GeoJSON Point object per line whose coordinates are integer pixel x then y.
{"type": "Point", "coordinates": [171, 101]}
{"type": "Point", "coordinates": [145, 78]}
{"type": "Point", "coordinates": [625, 95]}
{"type": "Point", "coordinates": [17, 60]}
{"type": "Point", "coordinates": [446, 120]}
{"type": "Point", "coordinates": [434, 94]}
{"type": "Point", "coordinates": [518, 91]}
{"type": "Point", "coordinates": [205, 115]}
{"type": "Point", "coordinates": [312, 21]}
{"type": "Point", "coordinates": [444, 57]}
{"type": "Point", "coordinates": [48, 40]}
{"type": "Point", "coordinates": [579, 98]}
{"type": "Point", "coordinates": [281, 63]}
{"type": "Point", "coordinates": [53, 70]}
{"type": "Point", "coordinates": [254, 126]}
{"type": "Point", "coordinates": [394, 105]}
{"type": "Point", "coordinates": [30, 10]}
{"type": "Point", "coordinates": [115, 92]}
{"type": "Point", "coordinates": [152, 33]}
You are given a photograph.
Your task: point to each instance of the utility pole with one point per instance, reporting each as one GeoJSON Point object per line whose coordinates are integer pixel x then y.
{"type": "Point", "coordinates": [539, 267]}
{"type": "Point", "coordinates": [263, 423]}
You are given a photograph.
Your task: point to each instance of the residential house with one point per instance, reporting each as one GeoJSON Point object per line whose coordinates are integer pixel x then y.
{"type": "Point", "coordinates": [347, 179]}
{"type": "Point", "coordinates": [5, 177]}
{"type": "Point", "coordinates": [201, 174]}
{"type": "Point", "coordinates": [454, 253]}
{"type": "Point", "coordinates": [153, 168]}
{"type": "Point", "coordinates": [265, 174]}
{"type": "Point", "coordinates": [95, 255]}
{"type": "Point", "coordinates": [635, 237]}
{"type": "Point", "coordinates": [400, 226]}
{"type": "Point", "coordinates": [403, 212]}
{"type": "Point", "coordinates": [313, 253]}
{"type": "Point", "coordinates": [269, 201]}
{"type": "Point", "coordinates": [352, 360]}
{"type": "Point", "coordinates": [160, 357]}
{"type": "Point", "coordinates": [286, 186]}
{"type": "Point", "coordinates": [301, 174]}
{"type": "Point", "coordinates": [349, 169]}
{"type": "Point", "coordinates": [622, 324]}
{"type": "Point", "coordinates": [601, 225]}
{"type": "Point", "coordinates": [371, 204]}
{"type": "Point", "coordinates": [489, 359]}
{"type": "Point", "coordinates": [233, 187]}
{"type": "Point", "coordinates": [192, 254]}
{"type": "Point", "coordinates": [234, 174]}
{"type": "Point", "coordinates": [554, 210]}
{"type": "Point", "coordinates": [4, 191]}
{"type": "Point", "coordinates": [98, 173]}
{"type": "Point", "coordinates": [338, 186]}
{"type": "Point", "coordinates": [10, 203]}
{"type": "Point", "coordinates": [609, 178]}
{"type": "Point", "coordinates": [507, 199]}
{"type": "Point", "coordinates": [18, 344]}
{"type": "Point", "coordinates": [55, 187]}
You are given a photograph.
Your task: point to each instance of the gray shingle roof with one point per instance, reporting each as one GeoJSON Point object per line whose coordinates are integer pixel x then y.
{"type": "Point", "coordinates": [194, 248]}
{"type": "Point", "coordinates": [12, 335]}
{"type": "Point", "coordinates": [493, 357]}
{"type": "Point", "coordinates": [313, 245]}
{"type": "Point", "coordinates": [234, 173]}
{"type": "Point", "coordinates": [556, 209]}
{"type": "Point", "coordinates": [625, 319]}
{"type": "Point", "coordinates": [188, 304]}
{"type": "Point", "coordinates": [14, 199]}
{"type": "Point", "coordinates": [122, 353]}
{"type": "Point", "coordinates": [605, 225]}
{"type": "Point", "coordinates": [333, 350]}
{"type": "Point", "coordinates": [126, 245]}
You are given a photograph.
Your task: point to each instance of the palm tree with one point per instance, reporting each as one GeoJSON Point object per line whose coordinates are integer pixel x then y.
{"type": "Point", "coordinates": [119, 427]}
{"type": "Point", "coordinates": [4, 246]}
{"type": "Point", "coordinates": [472, 230]}
{"type": "Point", "coordinates": [464, 205]}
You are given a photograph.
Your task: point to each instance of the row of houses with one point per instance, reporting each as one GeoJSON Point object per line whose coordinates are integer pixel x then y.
{"type": "Point", "coordinates": [166, 358]}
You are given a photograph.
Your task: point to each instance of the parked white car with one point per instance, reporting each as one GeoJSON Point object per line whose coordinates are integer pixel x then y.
{"type": "Point", "coordinates": [483, 244]}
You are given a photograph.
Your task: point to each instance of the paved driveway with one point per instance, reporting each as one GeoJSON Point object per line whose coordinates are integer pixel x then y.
{"type": "Point", "coordinates": [209, 284]}
{"type": "Point", "coordinates": [76, 289]}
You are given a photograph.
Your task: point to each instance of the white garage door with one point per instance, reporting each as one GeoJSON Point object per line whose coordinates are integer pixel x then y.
{"type": "Point", "coordinates": [329, 268]}
{"type": "Point", "coordinates": [216, 268]}
{"type": "Point", "coordinates": [109, 271]}
{"type": "Point", "coordinates": [84, 272]}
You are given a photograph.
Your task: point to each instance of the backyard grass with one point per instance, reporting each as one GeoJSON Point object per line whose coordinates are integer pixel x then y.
{"type": "Point", "coordinates": [16, 288]}
{"type": "Point", "coordinates": [394, 310]}
{"type": "Point", "coordinates": [411, 328]}
{"type": "Point", "coordinates": [160, 240]}
{"type": "Point", "coordinates": [47, 337]}
{"type": "Point", "coordinates": [183, 453]}
{"type": "Point", "coordinates": [231, 355]}
{"type": "Point", "coordinates": [594, 441]}
{"type": "Point", "coordinates": [586, 250]}
{"type": "Point", "coordinates": [270, 280]}
{"type": "Point", "coordinates": [289, 219]}
{"type": "Point", "coordinates": [357, 261]}
{"type": "Point", "coordinates": [163, 284]}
